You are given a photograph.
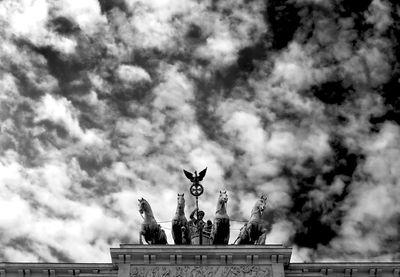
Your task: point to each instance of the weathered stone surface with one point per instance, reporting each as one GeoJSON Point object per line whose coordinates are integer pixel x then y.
{"type": "Point", "coordinates": [200, 271]}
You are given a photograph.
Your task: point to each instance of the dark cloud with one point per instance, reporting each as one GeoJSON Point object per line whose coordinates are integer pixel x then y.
{"type": "Point", "coordinates": [317, 200]}
{"type": "Point", "coordinates": [284, 20]}
{"type": "Point", "coordinates": [351, 8]}
{"type": "Point", "coordinates": [63, 26]}
{"type": "Point", "coordinates": [332, 92]}
{"type": "Point", "coordinates": [249, 56]}
{"type": "Point", "coordinates": [389, 89]}
{"type": "Point", "coordinates": [108, 5]}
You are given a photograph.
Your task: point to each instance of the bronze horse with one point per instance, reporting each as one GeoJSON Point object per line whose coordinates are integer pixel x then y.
{"type": "Point", "coordinates": [150, 230]}
{"type": "Point", "coordinates": [254, 231]}
{"type": "Point", "coordinates": [220, 229]}
{"type": "Point", "coordinates": [180, 225]}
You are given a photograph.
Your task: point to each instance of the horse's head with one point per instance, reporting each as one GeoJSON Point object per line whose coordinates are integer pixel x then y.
{"type": "Point", "coordinates": [264, 197]}
{"type": "Point", "coordinates": [181, 201]}
{"type": "Point", "coordinates": [259, 206]}
{"type": "Point", "coordinates": [263, 200]}
{"type": "Point", "coordinates": [221, 204]}
{"type": "Point", "coordinates": [143, 206]}
{"type": "Point", "coordinates": [223, 196]}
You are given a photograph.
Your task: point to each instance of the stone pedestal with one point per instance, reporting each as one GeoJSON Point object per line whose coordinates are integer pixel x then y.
{"type": "Point", "coordinates": [205, 260]}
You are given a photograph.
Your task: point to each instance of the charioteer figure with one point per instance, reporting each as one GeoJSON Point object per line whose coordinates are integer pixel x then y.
{"type": "Point", "coordinates": [198, 224]}
{"type": "Point", "coordinates": [199, 220]}
{"type": "Point", "coordinates": [200, 230]}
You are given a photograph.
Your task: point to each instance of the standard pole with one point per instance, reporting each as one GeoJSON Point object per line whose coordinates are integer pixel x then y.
{"type": "Point", "coordinates": [199, 224]}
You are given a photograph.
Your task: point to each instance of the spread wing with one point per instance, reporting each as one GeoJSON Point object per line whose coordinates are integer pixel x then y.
{"type": "Point", "coordinates": [202, 174]}
{"type": "Point", "coordinates": [188, 175]}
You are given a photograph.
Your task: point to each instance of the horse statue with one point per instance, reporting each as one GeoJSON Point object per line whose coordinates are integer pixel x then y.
{"type": "Point", "coordinates": [269, 216]}
{"type": "Point", "coordinates": [220, 229]}
{"type": "Point", "coordinates": [150, 230]}
{"type": "Point", "coordinates": [180, 225]}
{"type": "Point", "coordinates": [254, 231]}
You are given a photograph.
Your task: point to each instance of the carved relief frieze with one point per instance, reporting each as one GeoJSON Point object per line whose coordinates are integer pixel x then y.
{"type": "Point", "coordinates": [200, 271]}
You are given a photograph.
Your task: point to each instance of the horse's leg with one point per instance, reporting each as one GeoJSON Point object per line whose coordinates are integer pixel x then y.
{"type": "Point", "coordinates": [261, 239]}
{"type": "Point", "coordinates": [254, 232]}
{"type": "Point", "coordinates": [226, 239]}
{"type": "Point", "coordinates": [260, 235]}
{"type": "Point", "coordinates": [241, 235]}
{"type": "Point", "coordinates": [213, 231]}
{"type": "Point", "coordinates": [183, 235]}
{"type": "Point", "coordinates": [242, 238]}
{"type": "Point", "coordinates": [140, 237]}
{"type": "Point", "coordinates": [227, 232]}
{"type": "Point", "coordinates": [163, 237]}
{"type": "Point", "coordinates": [188, 235]}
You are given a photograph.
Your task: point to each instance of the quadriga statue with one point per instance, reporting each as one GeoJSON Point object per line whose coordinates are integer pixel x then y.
{"type": "Point", "coordinates": [220, 229]}
{"type": "Point", "coordinates": [207, 233]}
{"type": "Point", "coordinates": [180, 225]}
{"type": "Point", "coordinates": [254, 231]}
{"type": "Point", "coordinates": [150, 230]}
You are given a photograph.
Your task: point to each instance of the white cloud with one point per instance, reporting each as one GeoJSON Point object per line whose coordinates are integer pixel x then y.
{"type": "Point", "coordinates": [296, 68]}
{"type": "Point", "coordinates": [280, 233]}
{"type": "Point", "coordinates": [61, 111]}
{"type": "Point", "coordinates": [383, 150]}
{"type": "Point", "coordinates": [246, 127]}
{"type": "Point", "coordinates": [131, 74]}
{"type": "Point", "coordinates": [154, 26]}
{"type": "Point", "coordinates": [379, 14]}
{"type": "Point", "coordinates": [221, 51]}
{"type": "Point", "coordinates": [27, 19]}
{"type": "Point", "coordinates": [175, 92]}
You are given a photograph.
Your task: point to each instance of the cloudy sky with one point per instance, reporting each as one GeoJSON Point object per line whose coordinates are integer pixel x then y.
{"type": "Point", "coordinates": [104, 102]}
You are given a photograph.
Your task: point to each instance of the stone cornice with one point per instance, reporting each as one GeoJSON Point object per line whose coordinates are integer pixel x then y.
{"type": "Point", "coordinates": [58, 265]}
{"type": "Point", "coordinates": [57, 269]}
{"type": "Point", "coordinates": [344, 269]}
{"type": "Point", "coordinates": [204, 254]}
{"type": "Point", "coordinates": [267, 260]}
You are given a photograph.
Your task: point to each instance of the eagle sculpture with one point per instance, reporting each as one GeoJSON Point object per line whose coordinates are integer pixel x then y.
{"type": "Point", "coordinates": [196, 178]}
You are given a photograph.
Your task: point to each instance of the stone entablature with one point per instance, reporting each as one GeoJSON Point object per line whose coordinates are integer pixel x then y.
{"type": "Point", "coordinates": [201, 260]}
{"type": "Point", "coordinates": [341, 269]}
{"type": "Point", "coordinates": [204, 254]}
{"type": "Point", "coordinates": [58, 270]}
{"type": "Point", "coordinates": [191, 261]}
